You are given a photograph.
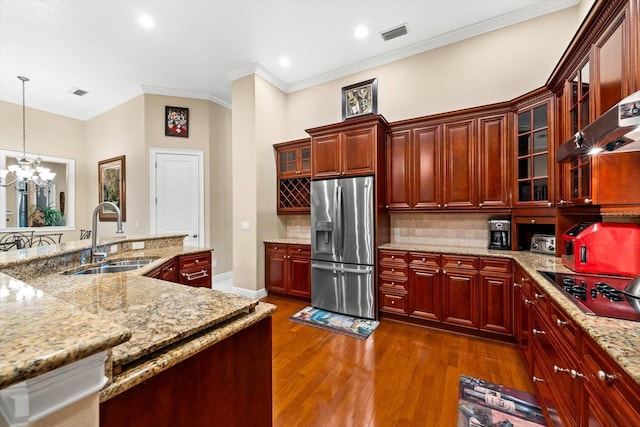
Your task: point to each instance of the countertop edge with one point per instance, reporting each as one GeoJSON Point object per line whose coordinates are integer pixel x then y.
{"type": "Point", "coordinates": [172, 355]}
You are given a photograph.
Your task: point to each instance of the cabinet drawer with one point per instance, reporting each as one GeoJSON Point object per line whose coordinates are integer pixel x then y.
{"type": "Point", "coordinates": [564, 326]}
{"type": "Point", "coordinates": [459, 262]}
{"type": "Point", "coordinates": [396, 284]}
{"type": "Point", "coordinates": [393, 302]}
{"type": "Point", "coordinates": [195, 260]}
{"type": "Point", "coordinates": [394, 272]}
{"type": "Point", "coordinates": [197, 277]}
{"type": "Point", "coordinates": [424, 260]}
{"type": "Point", "coordinates": [275, 248]}
{"type": "Point", "coordinates": [393, 257]}
{"type": "Point", "coordinates": [169, 271]}
{"type": "Point", "coordinates": [301, 251]}
{"type": "Point", "coordinates": [495, 265]}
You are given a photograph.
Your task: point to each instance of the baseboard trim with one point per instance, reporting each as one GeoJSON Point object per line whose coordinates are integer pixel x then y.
{"type": "Point", "coordinates": [224, 282]}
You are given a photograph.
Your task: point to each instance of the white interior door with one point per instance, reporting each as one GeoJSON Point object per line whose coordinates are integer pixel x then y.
{"type": "Point", "coordinates": [177, 194]}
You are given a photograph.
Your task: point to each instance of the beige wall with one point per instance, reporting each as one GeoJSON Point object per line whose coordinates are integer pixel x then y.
{"type": "Point", "coordinates": [46, 134]}
{"type": "Point", "coordinates": [493, 67]}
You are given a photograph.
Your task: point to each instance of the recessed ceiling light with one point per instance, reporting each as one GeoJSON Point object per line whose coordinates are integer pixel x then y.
{"type": "Point", "coordinates": [146, 21]}
{"type": "Point", "coordinates": [284, 62]}
{"type": "Point", "coordinates": [360, 32]}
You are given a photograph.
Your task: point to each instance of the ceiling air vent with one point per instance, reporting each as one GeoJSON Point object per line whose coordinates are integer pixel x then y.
{"type": "Point", "coordinates": [394, 32]}
{"type": "Point", "coordinates": [78, 92]}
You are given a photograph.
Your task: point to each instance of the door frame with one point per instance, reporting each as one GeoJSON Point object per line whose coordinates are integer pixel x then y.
{"type": "Point", "coordinates": [153, 153]}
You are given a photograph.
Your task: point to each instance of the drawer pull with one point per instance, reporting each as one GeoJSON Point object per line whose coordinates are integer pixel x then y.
{"type": "Point", "coordinates": [459, 263]}
{"type": "Point", "coordinates": [603, 376]}
{"type": "Point", "coordinates": [393, 257]}
{"type": "Point", "coordinates": [557, 369]}
{"type": "Point", "coordinates": [561, 323]}
{"type": "Point", "coordinates": [537, 380]}
{"type": "Point", "coordinates": [524, 279]}
{"type": "Point", "coordinates": [539, 296]}
{"type": "Point", "coordinates": [393, 302]}
{"type": "Point", "coordinates": [528, 302]}
{"type": "Point", "coordinates": [197, 275]}
{"type": "Point", "coordinates": [517, 285]}
{"type": "Point", "coordinates": [538, 332]}
{"type": "Point", "coordinates": [393, 270]}
{"type": "Point", "coordinates": [423, 259]}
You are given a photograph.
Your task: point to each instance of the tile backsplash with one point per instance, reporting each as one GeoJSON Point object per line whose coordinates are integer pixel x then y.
{"type": "Point", "coordinates": [430, 229]}
{"type": "Point", "coordinates": [467, 230]}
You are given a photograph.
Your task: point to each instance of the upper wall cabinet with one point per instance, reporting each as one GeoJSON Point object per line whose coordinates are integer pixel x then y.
{"type": "Point", "coordinates": [599, 68]}
{"type": "Point", "coordinates": [293, 163]}
{"type": "Point", "coordinates": [533, 151]}
{"type": "Point", "coordinates": [450, 162]}
{"type": "Point", "coordinates": [350, 148]}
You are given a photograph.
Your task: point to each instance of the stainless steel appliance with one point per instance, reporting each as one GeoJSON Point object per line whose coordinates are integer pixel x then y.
{"type": "Point", "coordinates": [499, 234]}
{"type": "Point", "coordinates": [597, 294]}
{"type": "Point", "coordinates": [543, 244]}
{"type": "Point", "coordinates": [342, 246]}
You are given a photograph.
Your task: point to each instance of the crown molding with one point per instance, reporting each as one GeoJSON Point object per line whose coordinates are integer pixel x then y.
{"type": "Point", "coordinates": [184, 93]}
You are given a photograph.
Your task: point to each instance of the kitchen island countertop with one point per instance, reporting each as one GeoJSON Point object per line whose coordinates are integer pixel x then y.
{"type": "Point", "coordinates": [56, 319]}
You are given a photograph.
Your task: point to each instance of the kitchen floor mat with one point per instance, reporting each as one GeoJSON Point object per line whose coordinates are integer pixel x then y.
{"type": "Point", "coordinates": [349, 325]}
{"type": "Point", "coordinates": [484, 404]}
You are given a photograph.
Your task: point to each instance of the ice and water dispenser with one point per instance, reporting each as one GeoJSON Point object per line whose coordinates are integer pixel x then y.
{"type": "Point", "coordinates": [324, 237]}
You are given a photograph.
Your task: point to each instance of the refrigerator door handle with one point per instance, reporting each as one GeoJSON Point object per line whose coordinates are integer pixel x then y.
{"type": "Point", "coordinates": [367, 270]}
{"type": "Point", "coordinates": [339, 224]}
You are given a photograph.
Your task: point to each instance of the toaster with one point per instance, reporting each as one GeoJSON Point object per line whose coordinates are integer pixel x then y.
{"type": "Point", "coordinates": [543, 244]}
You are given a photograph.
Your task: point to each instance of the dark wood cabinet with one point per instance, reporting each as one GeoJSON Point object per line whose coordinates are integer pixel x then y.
{"type": "Point", "coordinates": [351, 148]}
{"type": "Point", "coordinates": [456, 162]}
{"type": "Point", "coordinates": [293, 165]}
{"type": "Point", "coordinates": [425, 286]}
{"type": "Point", "coordinates": [393, 282]}
{"type": "Point", "coordinates": [288, 270]}
{"type": "Point", "coordinates": [496, 288]}
{"type": "Point", "coordinates": [460, 298]}
{"type": "Point", "coordinates": [523, 302]}
{"type": "Point", "coordinates": [192, 269]}
{"type": "Point", "coordinates": [195, 270]}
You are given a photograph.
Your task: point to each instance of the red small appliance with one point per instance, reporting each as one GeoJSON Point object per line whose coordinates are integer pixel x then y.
{"type": "Point", "coordinates": [603, 248]}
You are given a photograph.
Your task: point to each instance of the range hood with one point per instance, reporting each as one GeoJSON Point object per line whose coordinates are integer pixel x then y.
{"type": "Point", "coordinates": [616, 130]}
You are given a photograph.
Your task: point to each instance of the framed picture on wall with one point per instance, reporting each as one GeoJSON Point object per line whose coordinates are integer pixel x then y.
{"type": "Point", "coordinates": [112, 188]}
{"type": "Point", "coordinates": [360, 99]}
{"type": "Point", "coordinates": [176, 121]}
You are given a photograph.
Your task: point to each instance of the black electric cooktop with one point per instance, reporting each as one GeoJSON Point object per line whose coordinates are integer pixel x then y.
{"type": "Point", "coordinates": [596, 294]}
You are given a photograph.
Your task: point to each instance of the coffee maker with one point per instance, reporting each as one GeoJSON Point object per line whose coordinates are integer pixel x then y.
{"type": "Point", "coordinates": [500, 234]}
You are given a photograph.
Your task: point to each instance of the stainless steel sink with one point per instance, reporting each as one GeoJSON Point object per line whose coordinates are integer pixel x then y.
{"type": "Point", "coordinates": [114, 266]}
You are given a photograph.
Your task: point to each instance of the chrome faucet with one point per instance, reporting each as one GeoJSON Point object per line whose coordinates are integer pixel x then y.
{"type": "Point", "coordinates": [99, 256]}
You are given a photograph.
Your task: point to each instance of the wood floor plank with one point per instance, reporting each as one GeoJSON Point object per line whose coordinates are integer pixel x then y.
{"type": "Point", "coordinates": [402, 375]}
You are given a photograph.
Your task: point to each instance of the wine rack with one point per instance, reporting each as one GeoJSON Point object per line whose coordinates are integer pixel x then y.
{"type": "Point", "coordinates": [294, 195]}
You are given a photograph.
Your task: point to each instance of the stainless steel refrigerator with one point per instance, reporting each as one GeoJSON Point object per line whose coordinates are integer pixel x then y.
{"type": "Point", "coordinates": [342, 246]}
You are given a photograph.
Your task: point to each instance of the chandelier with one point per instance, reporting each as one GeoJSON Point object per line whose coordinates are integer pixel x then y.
{"type": "Point", "coordinates": [26, 170]}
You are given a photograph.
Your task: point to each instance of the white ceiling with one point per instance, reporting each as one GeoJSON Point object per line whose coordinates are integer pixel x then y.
{"type": "Point", "coordinates": [197, 47]}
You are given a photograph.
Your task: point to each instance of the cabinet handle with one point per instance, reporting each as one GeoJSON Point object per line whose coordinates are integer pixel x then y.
{"type": "Point", "coordinates": [299, 250]}
{"type": "Point", "coordinates": [479, 205]}
{"type": "Point", "coordinates": [275, 248]}
{"type": "Point", "coordinates": [537, 380]}
{"type": "Point", "coordinates": [538, 332]}
{"type": "Point", "coordinates": [603, 376]}
{"type": "Point", "coordinates": [423, 259]}
{"type": "Point", "coordinates": [524, 279]}
{"type": "Point", "coordinates": [446, 205]}
{"type": "Point", "coordinates": [459, 263]}
{"type": "Point", "coordinates": [533, 221]}
{"type": "Point", "coordinates": [393, 270]}
{"type": "Point", "coordinates": [439, 205]}
{"type": "Point", "coordinates": [539, 296]}
{"type": "Point", "coordinates": [528, 302]}
{"type": "Point", "coordinates": [444, 271]}
{"type": "Point", "coordinates": [562, 202]}
{"type": "Point", "coordinates": [393, 302]}
{"type": "Point", "coordinates": [437, 270]}
{"type": "Point", "coordinates": [557, 369]}
{"type": "Point", "coordinates": [393, 283]}
{"type": "Point", "coordinates": [197, 261]}
{"type": "Point", "coordinates": [561, 323]}
{"type": "Point", "coordinates": [197, 275]}
{"type": "Point", "coordinates": [517, 285]}
{"type": "Point", "coordinates": [386, 206]}
{"type": "Point", "coordinates": [393, 257]}
{"type": "Point", "coordinates": [588, 201]}
{"type": "Point", "coordinates": [549, 204]}
{"type": "Point", "coordinates": [575, 374]}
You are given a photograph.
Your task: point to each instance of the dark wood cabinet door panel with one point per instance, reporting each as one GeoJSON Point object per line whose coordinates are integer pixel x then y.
{"type": "Point", "coordinates": [427, 173]}
{"type": "Point", "coordinates": [326, 156]}
{"type": "Point", "coordinates": [399, 170]}
{"type": "Point", "coordinates": [459, 165]}
{"type": "Point", "coordinates": [358, 151]}
{"type": "Point", "coordinates": [460, 298]}
{"type": "Point", "coordinates": [493, 163]}
{"type": "Point", "coordinates": [495, 304]}
{"type": "Point", "coordinates": [275, 268]}
{"type": "Point", "coordinates": [425, 294]}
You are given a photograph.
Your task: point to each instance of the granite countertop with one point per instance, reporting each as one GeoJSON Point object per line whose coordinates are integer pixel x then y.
{"type": "Point", "coordinates": [619, 338]}
{"type": "Point", "coordinates": [57, 319]}
{"type": "Point", "coordinates": [288, 241]}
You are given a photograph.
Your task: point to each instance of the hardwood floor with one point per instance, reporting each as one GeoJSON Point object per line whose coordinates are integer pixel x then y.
{"type": "Point", "coordinates": [402, 375]}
